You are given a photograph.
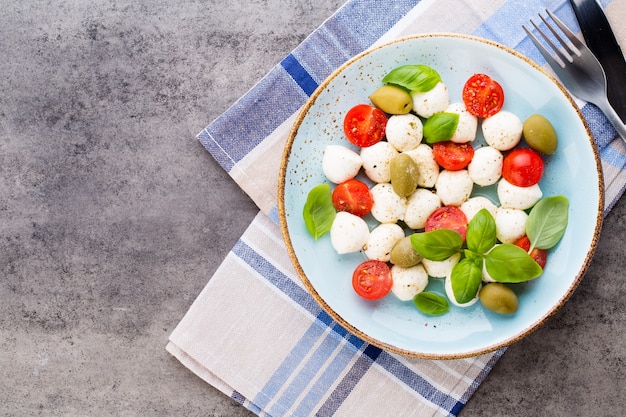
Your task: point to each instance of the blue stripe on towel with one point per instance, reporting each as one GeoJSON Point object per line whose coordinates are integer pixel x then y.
{"type": "Point", "coordinates": [337, 333]}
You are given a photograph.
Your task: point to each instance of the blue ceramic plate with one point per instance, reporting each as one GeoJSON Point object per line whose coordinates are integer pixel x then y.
{"type": "Point", "coordinates": [574, 171]}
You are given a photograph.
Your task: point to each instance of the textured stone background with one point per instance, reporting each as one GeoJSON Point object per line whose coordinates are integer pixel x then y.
{"type": "Point", "coordinates": [113, 217]}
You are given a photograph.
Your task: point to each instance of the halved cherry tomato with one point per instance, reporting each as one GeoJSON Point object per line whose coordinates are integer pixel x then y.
{"type": "Point", "coordinates": [522, 167]}
{"type": "Point", "coordinates": [364, 125]}
{"type": "Point", "coordinates": [448, 217]}
{"type": "Point", "coordinates": [483, 96]}
{"type": "Point", "coordinates": [353, 196]}
{"type": "Point", "coordinates": [539, 255]}
{"type": "Point", "coordinates": [453, 156]}
{"type": "Point", "coordinates": [372, 279]}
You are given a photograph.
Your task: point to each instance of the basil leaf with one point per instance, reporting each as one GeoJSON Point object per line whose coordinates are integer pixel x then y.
{"type": "Point", "coordinates": [431, 303]}
{"type": "Point", "coordinates": [437, 245]}
{"type": "Point", "coordinates": [474, 257]}
{"type": "Point", "coordinates": [481, 232]}
{"type": "Point", "coordinates": [466, 279]}
{"type": "Point", "coordinates": [440, 127]}
{"type": "Point", "coordinates": [510, 263]}
{"type": "Point", "coordinates": [319, 211]}
{"type": "Point", "coordinates": [547, 222]}
{"type": "Point", "coordinates": [419, 78]}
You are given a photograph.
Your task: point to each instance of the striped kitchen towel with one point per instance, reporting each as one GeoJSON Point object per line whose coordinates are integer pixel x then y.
{"type": "Point", "coordinates": [272, 347]}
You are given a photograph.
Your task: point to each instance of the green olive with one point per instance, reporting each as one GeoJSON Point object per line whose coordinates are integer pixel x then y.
{"type": "Point", "coordinates": [540, 134]}
{"type": "Point", "coordinates": [498, 298]}
{"type": "Point", "coordinates": [404, 174]}
{"type": "Point", "coordinates": [403, 254]}
{"type": "Point", "coordinates": [392, 99]}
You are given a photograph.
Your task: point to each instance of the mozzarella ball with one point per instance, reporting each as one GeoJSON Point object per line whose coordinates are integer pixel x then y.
{"type": "Point", "coordinates": [408, 282]}
{"type": "Point", "coordinates": [441, 269]}
{"type": "Point", "coordinates": [348, 233]}
{"type": "Point", "coordinates": [419, 206]}
{"type": "Point", "coordinates": [454, 187]}
{"type": "Point", "coordinates": [485, 167]}
{"type": "Point", "coordinates": [486, 276]}
{"type": "Point", "coordinates": [388, 206]}
{"type": "Point", "coordinates": [404, 131]}
{"type": "Point", "coordinates": [376, 160]}
{"type": "Point", "coordinates": [427, 166]}
{"type": "Point", "coordinates": [474, 204]}
{"type": "Point", "coordinates": [503, 130]}
{"type": "Point", "coordinates": [512, 196]}
{"type": "Point", "coordinates": [450, 294]}
{"type": "Point", "coordinates": [340, 163]}
{"type": "Point", "coordinates": [510, 224]}
{"type": "Point", "coordinates": [381, 241]}
{"type": "Point", "coordinates": [427, 103]}
{"type": "Point", "coordinates": [468, 124]}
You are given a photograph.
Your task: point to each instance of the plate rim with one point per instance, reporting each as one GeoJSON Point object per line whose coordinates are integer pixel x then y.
{"type": "Point", "coordinates": [334, 314]}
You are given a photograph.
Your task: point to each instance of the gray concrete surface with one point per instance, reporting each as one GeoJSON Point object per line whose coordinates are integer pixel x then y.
{"type": "Point", "coordinates": [113, 217]}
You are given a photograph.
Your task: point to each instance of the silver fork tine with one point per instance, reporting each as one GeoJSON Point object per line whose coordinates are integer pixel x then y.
{"type": "Point", "coordinates": [573, 39]}
{"type": "Point", "coordinates": [542, 49]}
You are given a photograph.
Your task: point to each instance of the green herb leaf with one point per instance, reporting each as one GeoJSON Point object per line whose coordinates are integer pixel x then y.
{"type": "Point", "coordinates": [437, 245]}
{"type": "Point", "coordinates": [419, 78]}
{"type": "Point", "coordinates": [431, 303]}
{"type": "Point", "coordinates": [474, 257]}
{"type": "Point", "coordinates": [547, 222]}
{"type": "Point", "coordinates": [481, 232]}
{"type": "Point", "coordinates": [466, 279]}
{"type": "Point", "coordinates": [510, 263]}
{"type": "Point", "coordinates": [319, 211]}
{"type": "Point", "coordinates": [440, 127]}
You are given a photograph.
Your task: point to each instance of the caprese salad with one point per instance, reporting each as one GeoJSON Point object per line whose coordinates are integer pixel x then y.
{"type": "Point", "coordinates": [417, 166]}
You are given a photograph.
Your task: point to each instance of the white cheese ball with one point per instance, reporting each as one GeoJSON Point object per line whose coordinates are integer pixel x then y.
{"type": "Point", "coordinates": [388, 206]}
{"type": "Point", "coordinates": [512, 196]}
{"type": "Point", "coordinates": [486, 276]}
{"type": "Point", "coordinates": [381, 241]}
{"type": "Point", "coordinates": [454, 187]}
{"type": "Point", "coordinates": [441, 269]}
{"type": "Point", "coordinates": [503, 130]}
{"type": "Point", "coordinates": [450, 294]}
{"type": "Point", "coordinates": [510, 224]}
{"type": "Point", "coordinates": [419, 206]}
{"type": "Point", "coordinates": [340, 163]}
{"type": "Point", "coordinates": [427, 166]}
{"type": "Point", "coordinates": [404, 131]}
{"type": "Point", "coordinates": [427, 103]}
{"type": "Point", "coordinates": [408, 282]}
{"type": "Point", "coordinates": [474, 204]}
{"type": "Point", "coordinates": [376, 160]}
{"type": "Point", "coordinates": [485, 167]}
{"type": "Point", "coordinates": [468, 124]}
{"type": "Point", "coordinates": [348, 233]}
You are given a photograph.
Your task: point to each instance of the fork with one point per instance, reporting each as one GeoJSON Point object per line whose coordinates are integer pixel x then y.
{"type": "Point", "coordinates": [577, 68]}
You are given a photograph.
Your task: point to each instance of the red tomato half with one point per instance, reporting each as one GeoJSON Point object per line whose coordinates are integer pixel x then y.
{"type": "Point", "coordinates": [453, 156]}
{"type": "Point", "coordinates": [364, 125]}
{"type": "Point", "coordinates": [522, 167]}
{"type": "Point", "coordinates": [354, 197]}
{"type": "Point", "coordinates": [372, 279]}
{"type": "Point", "coordinates": [539, 255]}
{"type": "Point", "coordinates": [448, 217]}
{"type": "Point", "coordinates": [483, 96]}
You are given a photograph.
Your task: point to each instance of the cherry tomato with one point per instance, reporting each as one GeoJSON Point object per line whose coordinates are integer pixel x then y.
{"type": "Point", "coordinates": [364, 125]}
{"type": "Point", "coordinates": [483, 96]}
{"type": "Point", "coordinates": [372, 279]}
{"type": "Point", "coordinates": [453, 156]}
{"type": "Point", "coordinates": [448, 217]}
{"type": "Point", "coordinates": [354, 197]}
{"type": "Point", "coordinates": [539, 255]}
{"type": "Point", "coordinates": [522, 167]}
